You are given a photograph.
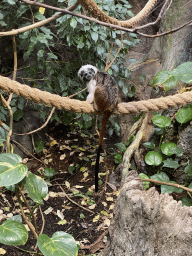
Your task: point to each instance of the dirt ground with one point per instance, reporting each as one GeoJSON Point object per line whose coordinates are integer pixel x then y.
{"type": "Point", "coordinates": [71, 205]}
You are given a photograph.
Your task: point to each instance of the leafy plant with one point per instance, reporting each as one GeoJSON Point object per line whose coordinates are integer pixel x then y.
{"type": "Point", "coordinates": [12, 231]}
{"type": "Point", "coordinates": [52, 56]}
{"type": "Point", "coordinates": [169, 79]}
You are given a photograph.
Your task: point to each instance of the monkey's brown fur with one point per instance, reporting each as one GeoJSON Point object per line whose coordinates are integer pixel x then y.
{"type": "Point", "coordinates": [104, 94]}
{"type": "Point", "coordinates": [106, 98]}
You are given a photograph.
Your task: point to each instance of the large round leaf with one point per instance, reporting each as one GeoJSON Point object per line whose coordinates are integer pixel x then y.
{"type": "Point", "coordinates": [161, 121]}
{"type": "Point", "coordinates": [168, 148]}
{"type": "Point", "coordinates": [60, 244]}
{"type": "Point", "coordinates": [12, 170]}
{"type": "Point", "coordinates": [184, 114]}
{"type": "Point", "coordinates": [36, 187]}
{"type": "Point", "coordinates": [153, 158]}
{"type": "Point", "coordinates": [13, 233]}
{"type": "Point", "coordinates": [183, 71]}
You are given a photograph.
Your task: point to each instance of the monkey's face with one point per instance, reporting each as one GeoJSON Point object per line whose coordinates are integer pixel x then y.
{"type": "Point", "coordinates": [87, 72]}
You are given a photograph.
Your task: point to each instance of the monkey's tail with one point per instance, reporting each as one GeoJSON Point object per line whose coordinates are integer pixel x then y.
{"type": "Point", "coordinates": [101, 136]}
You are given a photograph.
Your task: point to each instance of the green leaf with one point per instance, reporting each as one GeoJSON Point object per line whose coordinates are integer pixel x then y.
{"type": "Point", "coordinates": [40, 146]}
{"type": "Point", "coordinates": [17, 218]}
{"type": "Point", "coordinates": [94, 36]}
{"type": "Point", "coordinates": [159, 131]}
{"type": "Point", "coordinates": [177, 151]}
{"type": "Point", "coordinates": [3, 132]}
{"type": "Point", "coordinates": [11, 2]}
{"type": "Point", "coordinates": [170, 189]}
{"type": "Point", "coordinates": [170, 163]}
{"type": "Point", "coordinates": [162, 176]}
{"type": "Point", "coordinates": [168, 148]}
{"type": "Point", "coordinates": [186, 201]}
{"type": "Point", "coordinates": [121, 147]}
{"type": "Point", "coordinates": [39, 16]}
{"type": "Point", "coordinates": [13, 233]}
{"type": "Point", "coordinates": [18, 115]}
{"type": "Point", "coordinates": [183, 72]}
{"type": "Point", "coordinates": [153, 158]}
{"type": "Point", "coordinates": [166, 79]}
{"type": "Point", "coordinates": [149, 145]}
{"type": "Point", "coordinates": [145, 183]}
{"type": "Point", "coordinates": [60, 244]}
{"type": "Point", "coordinates": [36, 187]}
{"type": "Point", "coordinates": [12, 170]}
{"type": "Point", "coordinates": [188, 169]}
{"type": "Point", "coordinates": [184, 114]}
{"type": "Point", "coordinates": [73, 23]}
{"type": "Point", "coordinates": [49, 172]}
{"type": "Point", "coordinates": [161, 121]}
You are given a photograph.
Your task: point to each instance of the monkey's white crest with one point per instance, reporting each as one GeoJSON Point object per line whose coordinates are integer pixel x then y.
{"type": "Point", "coordinates": [87, 73]}
{"type": "Point", "coordinates": [86, 69]}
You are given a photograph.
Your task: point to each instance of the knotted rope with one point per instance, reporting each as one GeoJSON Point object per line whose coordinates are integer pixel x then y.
{"type": "Point", "coordinates": [97, 13]}
{"type": "Point", "coordinates": [65, 103]}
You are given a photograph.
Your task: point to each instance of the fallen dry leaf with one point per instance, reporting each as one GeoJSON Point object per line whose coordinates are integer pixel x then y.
{"type": "Point", "coordinates": [2, 251]}
{"type": "Point", "coordinates": [96, 218]}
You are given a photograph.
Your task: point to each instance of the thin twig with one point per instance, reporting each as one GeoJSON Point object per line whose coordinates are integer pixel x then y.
{"type": "Point", "coordinates": [168, 184]}
{"type": "Point", "coordinates": [74, 201]}
{"type": "Point", "coordinates": [4, 102]}
{"type": "Point", "coordinates": [30, 209]}
{"type": "Point", "coordinates": [30, 225]}
{"type": "Point", "coordinates": [109, 65]}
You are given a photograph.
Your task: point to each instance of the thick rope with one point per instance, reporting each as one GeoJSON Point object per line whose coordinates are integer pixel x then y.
{"type": "Point", "coordinates": [65, 103]}
{"type": "Point", "coordinates": [97, 13]}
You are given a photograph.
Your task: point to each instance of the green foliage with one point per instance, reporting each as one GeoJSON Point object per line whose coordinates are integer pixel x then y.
{"type": "Point", "coordinates": [153, 158]}
{"type": "Point", "coordinates": [169, 79]}
{"type": "Point", "coordinates": [12, 170]}
{"type": "Point", "coordinates": [36, 187]}
{"type": "Point", "coordinates": [162, 176]}
{"type": "Point", "coordinates": [161, 121]}
{"type": "Point", "coordinates": [12, 231]}
{"type": "Point", "coordinates": [184, 114]}
{"type": "Point", "coordinates": [49, 172]}
{"type": "Point", "coordinates": [60, 243]}
{"type": "Point", "coordinates": [55, 53]}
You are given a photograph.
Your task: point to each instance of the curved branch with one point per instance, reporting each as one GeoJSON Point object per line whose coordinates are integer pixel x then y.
{"type": "Point", "coordinates": [40, 23]}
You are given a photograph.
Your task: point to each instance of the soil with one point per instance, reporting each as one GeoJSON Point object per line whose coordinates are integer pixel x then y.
{"type": "Point", "coordinates": [71, 199]}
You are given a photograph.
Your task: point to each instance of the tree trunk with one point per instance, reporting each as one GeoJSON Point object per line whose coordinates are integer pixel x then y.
{"type": "Point", "coordinates": [146, 223]}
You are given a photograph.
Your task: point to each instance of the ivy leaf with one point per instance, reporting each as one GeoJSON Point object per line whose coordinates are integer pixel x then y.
{"type": "Point", "coordinates": [186, 201]}
{"type": "Point", "coordinates": [13, 233]}
{"type": "Point", "coordinates": [184, 114]}
{"type": "Point", "coordinates": [121, 147]}
{"type": "Point", "coordinates": [170, 163]}
{"type": "Point", "coordinates": [149, 145]}
{"type": "Point", "coordinates": [183, 72]}
{"type": "Point", "coordinates": [145, 183]}
{"type": "Point", "coordinates": [170, 189]}
{"type": "Point", "coordinates": [188, 169]}
{"type": "Point", "coordinates": [94, 36]}
{"type": "Point", "coordinates": [161, 121]}
{"type": "Point", "coordinates": [162, 176]}
{"type": "Point", "coordinates": [36, 187]}
{"type": "Point", "coordinates": [166, 79]}
{"type": "Point", "coordinates": [60, 243]}
{"type": "Point", "coordinates": [73, 23]}
{"type": "Point", "coordinates": [153, 158]}
{"type": "Point", "coordinates": [12, 170]}
{"type": "Point", "coordinates": [168, 148]}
